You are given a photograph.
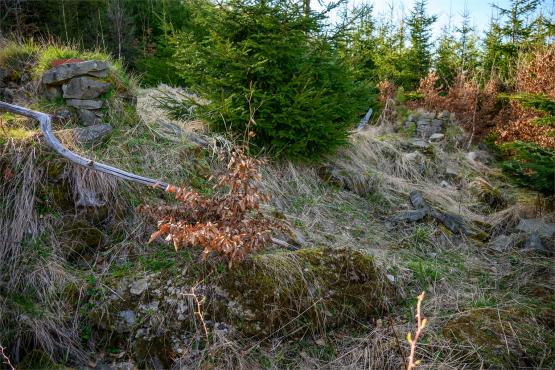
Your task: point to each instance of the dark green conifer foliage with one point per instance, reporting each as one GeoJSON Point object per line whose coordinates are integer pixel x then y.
{"type": "Point", "coordinates": [530, 165]}
{"type": "Point", "coordinates": [446, 63]}
{"type": "Point", "coordinates": [419, 56]}
{"type": "Point", "coordinates": [264, 66]}
{"type": "Point", "coordinates": [509, 35]}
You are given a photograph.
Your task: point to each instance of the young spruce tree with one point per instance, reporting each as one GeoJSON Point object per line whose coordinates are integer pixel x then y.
{"type": "Point", "coordinates": [266, 67]}
{"type": "Point", "coordinates": [419, 56]}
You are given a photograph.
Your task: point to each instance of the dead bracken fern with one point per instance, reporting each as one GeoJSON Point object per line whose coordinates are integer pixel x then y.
{"type": "Point", "coordinates": [227, 223]}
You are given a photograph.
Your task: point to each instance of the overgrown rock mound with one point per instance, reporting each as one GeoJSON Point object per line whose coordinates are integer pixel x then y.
{"type": "Point", "coordinates": [156, 315]}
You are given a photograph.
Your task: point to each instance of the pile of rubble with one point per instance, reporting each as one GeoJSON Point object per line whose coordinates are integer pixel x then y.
{"type": "Point", "coordinates": [427, 127]}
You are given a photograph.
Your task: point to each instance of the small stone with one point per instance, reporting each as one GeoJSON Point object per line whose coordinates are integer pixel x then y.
{"type": "Point", "coordinates": [419, 143]}
{"type": "Point", "coordinates": [128, 316]}
{"type": "Point", "coordinates": [390, 278]}
{"type": "Point", "coordinates": [84, 88]}
{"type": "Point", "coordinates": [413, 157]}
{"type": "Point", "coordinates": [63, 115]}
{"type": "Point", "coordinates": [418, 201]}
{"type": "Point", "coordinates": [89, 117]}
{"type": "Point", "coordinates": [444, 184]}
{"type": "Point", "coordinates": [91, 135]}
{"type": "Point", "coordinates": [454, 223]}
{"type": "Point", "coordinates": [501, 243]}
{"type": "Point", "coordinates": [139, 286]}
{"type": "Point", "coordinates": [451, 172]}
{"type": "Point", "coordinates": [534, 243]}
{"type": "Point", "coordinates": [536, 226]}
{"type": "Point", "coordinates": [436, 137]}
{"type": "Point", "coordinates": [85, 104]}
{"type": "Point", "coordinates": [479, 156]}
{"type": "Point", "coordinates": [52, 92]}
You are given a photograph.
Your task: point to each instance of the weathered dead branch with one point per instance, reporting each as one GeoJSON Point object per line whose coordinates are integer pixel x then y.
{"type": "Point", "coordinates": [45, 121]}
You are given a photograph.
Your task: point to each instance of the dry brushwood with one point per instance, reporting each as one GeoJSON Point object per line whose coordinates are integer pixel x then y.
{"type": "Point", "coordinates": [228, 223]}
{"type": "Point", "coordinates": [473, 107]}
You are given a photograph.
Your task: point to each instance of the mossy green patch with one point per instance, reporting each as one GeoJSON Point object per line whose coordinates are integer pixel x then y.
{"type": "Point", "coordinates": [280, 293]}
{"type": "Point", "coordinates": [504, 338]}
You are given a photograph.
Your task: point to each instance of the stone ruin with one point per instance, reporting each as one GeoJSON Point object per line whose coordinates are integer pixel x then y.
{"type": "Point", "coordinates": [428, 125]}
{"type": "Point", "coordinates": [81, 85]}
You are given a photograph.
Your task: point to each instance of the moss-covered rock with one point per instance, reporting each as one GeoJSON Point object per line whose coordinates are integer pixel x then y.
{"type": "Point", "coordinates": [155, 314]}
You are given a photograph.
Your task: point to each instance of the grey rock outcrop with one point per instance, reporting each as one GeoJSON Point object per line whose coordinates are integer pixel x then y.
{"type": "Point", "coordinates": [424, 125]}
{"type": "Point", "coordinates": [80, 85]}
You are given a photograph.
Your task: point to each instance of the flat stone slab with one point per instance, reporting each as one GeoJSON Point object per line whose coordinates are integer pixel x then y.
{"type": "Point", "coordinates": [64, 72]}
{"type": "Point", "coordinates": [85, 104]}
{"type": "Point", "coordinates": [419, 143]}
{"type": "Point", "coordinates": [84, 88]}
{"type": "Point", "coordinates": [436, 137]}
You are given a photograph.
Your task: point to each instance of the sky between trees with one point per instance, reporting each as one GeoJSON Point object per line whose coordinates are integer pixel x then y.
{"type": "Point", "coordinates": [481, 11]}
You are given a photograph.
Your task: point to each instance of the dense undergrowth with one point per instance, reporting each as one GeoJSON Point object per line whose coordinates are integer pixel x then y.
{"type": "Point", "coordinates": [475, 292]}
{"type": "Point", "coordinates": [81, 286]}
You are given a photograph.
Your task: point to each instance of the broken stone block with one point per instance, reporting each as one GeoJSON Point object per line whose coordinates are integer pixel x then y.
{"type": "Point", "coordinates": [84, 88]}
{"type": "Point", "coordinates": [89, 117]}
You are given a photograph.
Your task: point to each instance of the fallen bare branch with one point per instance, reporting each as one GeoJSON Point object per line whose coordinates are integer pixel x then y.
{"type": "Point", "coordinates": [45, 121]}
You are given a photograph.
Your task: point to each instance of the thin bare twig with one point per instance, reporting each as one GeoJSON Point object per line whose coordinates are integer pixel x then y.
{"type": "Point", "coordinates": [6, 359]}
{"type": "Point", "coordinates": [420, 325]}
{"type": "Point", "coordinates": [199, 311]}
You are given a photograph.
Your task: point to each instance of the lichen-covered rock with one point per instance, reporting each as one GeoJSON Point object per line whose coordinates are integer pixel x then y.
{"type": "Point", "coordinates": [91, 135]}
{"type": "Point", "coordinates": [269, 294]}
